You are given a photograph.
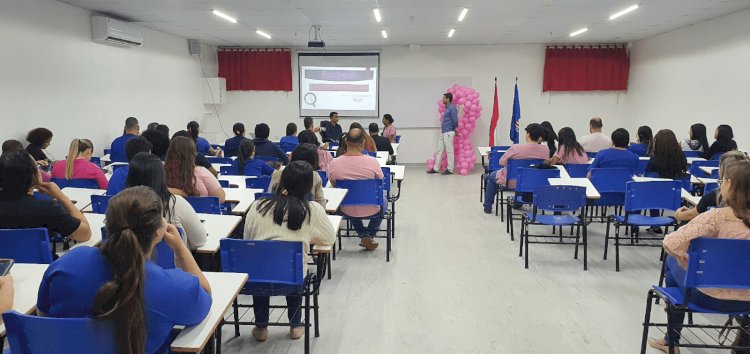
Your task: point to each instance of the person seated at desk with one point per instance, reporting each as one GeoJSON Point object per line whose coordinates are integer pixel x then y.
{"type": "Point", "coordinates": [309, 154]}
{"type": "Point", "coordinates": [202, 145]}
{"type": "Point", "coordinates": [15, 145]}
{"type": "Point", "coordinates": [549, 137]}
{"type": "Point", "coordinates": [533, 149]}
{"type": "Point", "coordinates": [569, 151]}
{"type": "Point", "coordinates": [200, 159]}
{"type": "Point", "coordinates": [119, 175]}
{"type": "Point", "coordinates": [697, 141]}
{"type": "Point", "coordinates": [147, 170]}
{"type": "Point", "coordinates": [645, 143]}
{"type": "Point", "coordinates": [117, 148]}
{"type": "Point", "coordinates": [381, 143]}
{"type": "Point", "coordinates": [287, 216]}
{"type": "Point", "coordinates": [668, 161]}
{"type": "Point", "coordinates": [186, 179]}
{"type": "Point", "coordinates": [232, 145]}
{"type": "Point", "coordinates": [264, 147]}
{"type": "Point", "coordinates": [324, 157]}
{"type": "Point", "coordinates": [310, 126]}
{"type": "Point", "coordinates": [711, 199]}
{"type": "Point", "coordinates": [246, 164]}
{"type": "Point", "coordinates": [331, 130]}
{"type": "Point", "coordinates": [732, 222]}
{"type": "Point", "coordinates": [291, 136]}
{"type": "Point", "coordinates": [19, 209]}
{"type": "Point", "coordinates": [159, 143]}
{"type": "Point", "coordinates": [78, 164]}
{"type": "Point", "coordinates": [596, 141]}
{"type": "Point", "coordinates": [355, 166]}
{"type": "Point", "coordinates": [724, 141]}
{"type": "Point", "coordinates": [368, 143]}
{"type": "Point", "coordinates": [617, 156]}
{"type": "Point", "coordinates": [39, 139]}
{"type": "Point", "coordinates": [6, 294]}
{"type": "Point", "coordinates": [116, 281]}
{"type": "Point", "coordinates": [389, 130]}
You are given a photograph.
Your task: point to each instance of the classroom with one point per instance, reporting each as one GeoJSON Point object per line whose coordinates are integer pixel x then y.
{"type": "Point", "coordinates": [374, 176]}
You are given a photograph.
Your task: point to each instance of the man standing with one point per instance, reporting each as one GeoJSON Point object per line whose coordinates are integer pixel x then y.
{"type": "Point", "coordinates": [331, 130]}
{"type": "Point", "coordinates": [596, 141]}
{"type": "Point", "coordinates": [117, 152]}
{"type": "Point", "coordinates": [447, 132]}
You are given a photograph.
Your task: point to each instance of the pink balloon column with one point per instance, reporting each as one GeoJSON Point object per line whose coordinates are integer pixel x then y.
{"type": "Point", "coordinates": [463, 150]}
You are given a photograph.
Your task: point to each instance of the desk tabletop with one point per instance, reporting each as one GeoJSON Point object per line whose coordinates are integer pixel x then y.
{"type": "Point", "coordinates": [484, 150]}
{"type": "Point", "coordinates": [334, 198]}
{"type": "Point", "coordinates": [563, 171]}
{"type": "Point", "coordinates": [218, 166]}
{"type": "Point", "coordinates": [96, 222]}
{"type": "Point", "coordinates": [26, 280]}
{"type": "Point", "coordinates": [691, 199]}
{"type": "Point", "coordinates": [692, 159]}
{"type": "Point", "coordinates": [242, 196]}
{"type": "Point", "coordinates": [591, 192]}
{"type": "Point", "coordinates": [702, 180]}
{"type": "Point", "coordinates": [81, 197]}
{"type": "Point", "coordinates": [708, 169]}
{"type": "Point", "coordinates": [218, 227]}
{"type": "Point", "coordinates": [224, 289]}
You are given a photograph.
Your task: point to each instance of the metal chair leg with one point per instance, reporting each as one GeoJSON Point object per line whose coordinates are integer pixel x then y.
{"type": "Point", "coordinates": [646, 322]}
{"type": "Point", "coordinates": [307, 323]}
{"type": "Point", "coordinates": [236, 318]}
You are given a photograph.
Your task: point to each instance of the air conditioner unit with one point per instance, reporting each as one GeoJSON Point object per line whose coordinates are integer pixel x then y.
{"type": "Point", "coordinates": [109, 31]}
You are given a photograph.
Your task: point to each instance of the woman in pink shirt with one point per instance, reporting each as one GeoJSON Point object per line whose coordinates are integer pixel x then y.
{"type": "Point", "coordinates": [389, 130]}
{"type": "Point", "coordinates": [729, 222]}
{"type": "Point", "coordinates": [78, 165]}
{"type": "Point", "coordinates": [533, 149]}
{"type": "Point", "coordinates": [569, 151]}
{"type": "Point", "coordinates": [186, 179]}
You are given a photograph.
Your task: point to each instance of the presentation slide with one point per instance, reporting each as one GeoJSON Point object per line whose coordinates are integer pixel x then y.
{"type": "Point", "coordinates": [345, 83]}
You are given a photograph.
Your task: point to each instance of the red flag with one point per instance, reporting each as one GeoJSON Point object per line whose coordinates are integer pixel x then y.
{"type": "Point", "coordinates": [495, 117]}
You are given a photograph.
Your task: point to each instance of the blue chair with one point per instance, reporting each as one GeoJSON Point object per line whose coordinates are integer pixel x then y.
{"type": "Point", "coordinates": [715, 173]}
{"type": "Point", "coordinates": [712, 263]}
{"type": "Point", "coordinates": [692, 153]}
{"type": "Point", "coordinates": [716, 156]}
{"type": "Point", "coordinates": [577, 170]}
{"type": "Point", "coordinates": [260, 182]}
{"type": "Point", "coordinates": [205, 205]}
{"type": "Point", "coordinates": [563, 202]}
{"type": "Point", "coordinates": [694, 168]}
{"type": "Point", "coordinates": [493, 164]}
{"type": "Point", "coordinates": [640, 169]}
{"type": "Point", "coordinates": [117, 166]}
{"type": "Point", "coordinates": [96, 161]}
{"type": "Point", "coordinates": [274, 268]}
{"type": "Point", "coordinates": [163, 255]}
{"type": "Point", "coordinates": [527, 181]}
{"type": "Point", "coordinates": [287, 147]}
{"type": "Point", "coordinates": [107, 151]}
{"type": "Point", "coordinates": [26, 245]}
{"type": "Point", "coordinates": [323, 177]}
{"type": "Point", "coordinates": [213, 159]}
{"type": "Point", "coordinates": [34, 334]}
{"type": "Point", "coordinates": [641, 196]}
{"type": "Point", "coordinates": [99, 203]}
{"type": "Point", "coordinates": [367, 192]}
{"type": "Point", "coordinates": [224, 183]}
{"type": "Point", "coordinates": [591, 155]}
{"type": "Point", "coordinates": [610, 183]}
{"type": "Point", "coordinates": [513, 166]}
{"type": "Point", "coordinates": [398, 139]}
{"type": "Point", "coordinates": [269, 160]}
{"type": "Point", "coordinates": [710, 187]}
{"type": "Point", "coordinates": [247, 171]}
{"type": "Point", "coordinates": [76, 182]}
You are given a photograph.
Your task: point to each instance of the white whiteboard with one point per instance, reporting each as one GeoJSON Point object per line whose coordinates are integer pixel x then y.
{"type": "Point", "coordinates": [413, 100]}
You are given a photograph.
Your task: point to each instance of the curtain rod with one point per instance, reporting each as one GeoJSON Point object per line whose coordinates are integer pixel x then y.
{"type": "Point", "coordinates": [603, 45]}
{"type": "Point", "coordinates": [246, 49]}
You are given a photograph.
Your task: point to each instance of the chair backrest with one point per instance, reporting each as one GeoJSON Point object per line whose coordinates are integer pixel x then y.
{"type": "Point", "coordinates": [386, 179]}
{"type": "Point", "coordinates": [664, 195]}
{"type": "Point", "coordinates": [530, 178]}
{"type": "Point", "coordinates": [493, 162]}
{"type": "Point", "coordinates": [718, 263]}
{"type": "Point", "coordinates": [37, 334]}
{"type": "Point", "coordinates": [205, 205]}
{"type": "Point", "coordinates": [591, 155]}
{"type": "Point", "coordinates": [611, 180]}
{"type": "Point", "coordinates": [263, 195]}
{"type": "Point", "coordinates": [514, 165]}
{"type": "Point", "coordinates": [364, 192]}
{"type": "Point", "coordinates": [76, 182]}
{"type": "Point", "coordinates": [96, 161]}
{"type": "Point", "coordinates": [287, 148]}
{"type": "Point", "coordinates": [692, 153]}
{"type": "Point", "coordinates": [577, 170]}
{"type": "Point", "coordinates": [26, 245]}
{"type": "Point", "coordinates": [224, 183]}
{"type": "Point", "coordinates": [117, 166]}
{"type": "Point", "coordinates": [260, 182]}
{"type": "Point", "coordinates": [710, 187]}
{"type": "Point", "coordinates": [398, 139]}
{"type": "Point", "coordinates": [715, 173]}
{"type": "Point", "coordinates": [323, 177]}
{"type": "Point", "coordinates": [559, 198]}
{"type": "Point", "coordinates": [107, 151]}
{"type": "Point", "coordinates": [640, 168]}
{"type": "Point", "coordinates": [499, 148]}
{"type": "Point", "coordinates": [99, 203]}
{"type": "Point", "coordinates": [717, 156]}
{"type": "Point", "coordinates": [267, 262]}
{"type": "Point", "coordinates": [695, 170]}
{"type": "Point", "coordinates": [213, 159]}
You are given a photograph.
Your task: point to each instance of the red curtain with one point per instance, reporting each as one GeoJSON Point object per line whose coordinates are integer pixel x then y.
{"type": "Point", "coordinates": [256, 69]}
{"type": "Point", "coordinates": [586, 69]}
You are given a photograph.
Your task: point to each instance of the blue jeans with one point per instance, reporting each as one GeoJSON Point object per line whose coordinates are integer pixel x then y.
{"type": "Point", "coordinates": [674, 276]}
{"type": "Point", "coordinates": [491, 188]}
{"type": "Point", "coordinates": [371, 229]}
{"type": "Point", "coordinates": [261, 308]}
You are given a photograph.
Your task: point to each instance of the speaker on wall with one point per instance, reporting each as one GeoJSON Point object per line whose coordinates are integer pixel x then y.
{"type": "Point", "coordinates": [194, 46]}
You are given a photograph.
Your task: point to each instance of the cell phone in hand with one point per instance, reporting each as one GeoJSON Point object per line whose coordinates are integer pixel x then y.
{"type": "Point", "coordinates": [5, 265]}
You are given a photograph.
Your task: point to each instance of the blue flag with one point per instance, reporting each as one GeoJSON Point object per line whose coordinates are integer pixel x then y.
{"type": "Point", "coordinates": [515, 120]}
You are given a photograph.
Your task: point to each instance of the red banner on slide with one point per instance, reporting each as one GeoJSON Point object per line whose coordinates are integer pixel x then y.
{"type": "Point", "coordinates": [340, 87]}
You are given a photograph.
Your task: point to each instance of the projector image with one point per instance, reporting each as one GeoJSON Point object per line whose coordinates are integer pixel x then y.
{"type": "Point", "coordinates": [316, 44]}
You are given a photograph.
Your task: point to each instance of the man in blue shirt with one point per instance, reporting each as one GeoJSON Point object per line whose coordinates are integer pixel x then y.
{"type": "Point", "coordinates": [618, 156]}
{"type": "Point", "coordinates": [448, 129]}
{"type": "Point", "coordinates": [332, 130]}
{"type": "Point", "coordinates": [117, 152]}
{"type": "Point", "coordinates": [120, 175]}
{"type": "Point", "coordinates": [263, 147]}
{"type": "Point", "coordinates": [232, 145]}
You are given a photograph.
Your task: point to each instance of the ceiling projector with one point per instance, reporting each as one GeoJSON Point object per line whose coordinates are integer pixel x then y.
{"type": "Point", "coordinates": [317, 42]}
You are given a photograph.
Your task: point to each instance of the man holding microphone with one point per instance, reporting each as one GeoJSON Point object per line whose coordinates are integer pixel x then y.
{"type": "Point", "coordinates": [448, 129]}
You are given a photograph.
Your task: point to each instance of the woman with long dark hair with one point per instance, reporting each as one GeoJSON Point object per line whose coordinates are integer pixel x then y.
{"type": "Point", "coordinates": [724, 141]}
{"type": "Point", "coordinates": [697, 141]}
{"type": "Point", "coordinates": [116, 282]}
{"type": "Point", "coordinates": [78, 164]}
{"type": "Point", "coordinates": [184, 177]}
{"type": "Point", "coordinates": [570, 151]}
{"type": "Point", "coordinates": [246, 163]}
{"type": "Point", "coordinates": [287, 216]}
{"type": "Point", "coordinates": [147, 170]}
{"type": "Point", "coordinates": [308, 153]}
{"type": "Point", "coordinates": [667, 161]}
{"type": "Point", "coordinates": [550, 137]}
{"type": "Point", "coordinates": [645, 143]}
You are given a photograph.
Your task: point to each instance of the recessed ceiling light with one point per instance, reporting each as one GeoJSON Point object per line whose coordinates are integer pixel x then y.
{"type": "Point", "coordinates": [263, 34]}
{"type": "Point", "coordinates": [384, 33]}
{"type": "Point", "coordinates": [579, 32]}
{"type": "Point", "coordinates": [462, 14]}
{"type": "Point", "coordinates": [376, 11]}
{"type": "Point", "coordinates": [451, 32]}
{"type": "Point", "coordinates": [225, 16]}
{"type": "Point", "coordinates": [629, 9]}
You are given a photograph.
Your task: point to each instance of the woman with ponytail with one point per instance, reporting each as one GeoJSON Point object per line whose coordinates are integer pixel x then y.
{"type": "Point", "coordinates": [117, 282]}
{"type": "Point", "coordinates": [78, 164]}
{"type": "Point", "coordinates": [732, 222]}
{"type": "Point", "coordinates": [287, 216]}
{"type": "Point", "coordinates": [246, 163]}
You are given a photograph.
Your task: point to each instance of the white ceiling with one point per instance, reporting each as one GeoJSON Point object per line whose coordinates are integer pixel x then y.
{"type": "Point", "coordinates": [427, 22]}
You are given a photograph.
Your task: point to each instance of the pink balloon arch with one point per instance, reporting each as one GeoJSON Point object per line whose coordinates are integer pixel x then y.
{"type": "Point", "coordinates": [463, 150]}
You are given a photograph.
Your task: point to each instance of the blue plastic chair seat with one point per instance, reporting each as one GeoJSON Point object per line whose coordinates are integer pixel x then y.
{"type": "Point", "coordinates": [554, 220]}
{"type": "Point", "coordinates": [676, 296]}
{"type": "Point", "coordinates": [643, 220]}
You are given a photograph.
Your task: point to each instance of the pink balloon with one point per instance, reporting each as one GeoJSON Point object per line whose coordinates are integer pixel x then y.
{"type": "Point", "coordinates": [464, 171]}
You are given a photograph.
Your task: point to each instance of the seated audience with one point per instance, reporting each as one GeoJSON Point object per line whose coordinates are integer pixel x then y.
{"type": "Point", "coordinates": [570, 151]}
{"type": "Point", "coordinates": [152, 125]}
{"type": "Point", "coordinates": [291, 136]}
{"type": "Point", "coordinates": [309, 154]}
{"type": "Point", "coordinates": [186, 179]}
{"type": "Point", "coordinates": [78, 164]}
{"type": "Point", "coordinates": [288, 217]}
{"type": "Point", "coordinates": [39, 139]}
{"type": "Point", "coordinates": [732, 222]}
{"type": "Point", "coordinates": [6, 294]}
{"type": "Point", "coordinates": [645, 142]}
{"type": "Point", "coordinates": [697, 141]}
{"type": "Point", "coordinates": [264, 147]}
{"type": "Point", "coordinates": [15, 145]}
{"type": "Point", "coordinates": [667, 161]}
{"type": "Point", "coordinates": [597, 141]}
{"type": "Point", "coordinates": [549, 137]}
{"type": "Point", "coordinates": [120, 175]}
{"type": "Point", "coordinates": [163, 129]}
{"type": "Point", "coordinates": [617, 156]}
{"type": "Point", "coordinates": [19, 209]}
{"type": "Point", "coordinates": [389, 130]}
{"type": "Point", "coordinates": [115, 281]}
{"type": "Point", "coordinates": [246, 164]}
{"type": "Point", "coordinates": [200, 159]}
{"type": "Point", "coordinates": [324, 157]}
{"type": "Point", "coordinates": [355, 166]}
{"type": "Point", "coordinates": [533, 149]}
{"type": "Point", "coordinates": [147, 170]}
{"type": "Point", "coordinates": [159, 142]}
{"type": "Point", "coordinates": [309, 126]}
{"type": "Point", "coordinates": [381, 143]}
{"type": "Point", "coordinates": [202, 145]}
{"type": "Point", "coordinates": [232, 145]}
{"type": "Point", "coordinates": [331, 130]}
{"type": "Point", "coordinates": [367, 146]}
{"type": "Point", "coordinates": [724, 141]}
{"type": "Point", "coordinates": [117, 149]}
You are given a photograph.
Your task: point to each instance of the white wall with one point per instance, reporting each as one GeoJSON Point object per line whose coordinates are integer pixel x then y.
{"type": "Point", "coordinates": [697, 74]}
{"type": "Point", "coordinates": [53, 75]}
{"type": "Point", "coordinates": [481, 63]}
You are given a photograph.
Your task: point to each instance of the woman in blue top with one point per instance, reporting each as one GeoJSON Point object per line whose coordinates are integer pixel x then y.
{"type": "Point", "coordinates": [247, 165]}
{"type": "Point", "coordinates": [202, 145]}
{"type": "Point", "coordinates": [291, 136]}
{"type": "Point", "coordinates": [117, 282]}
{"type": "Point", "coordinates": [645, 144]}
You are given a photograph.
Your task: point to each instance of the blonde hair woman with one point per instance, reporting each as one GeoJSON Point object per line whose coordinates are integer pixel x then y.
{"type": "Point", "coordinates": [78, 164]}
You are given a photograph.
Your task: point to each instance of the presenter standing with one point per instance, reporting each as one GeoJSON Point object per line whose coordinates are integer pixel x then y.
{"type": "Point", "coordinates": [448, 129]}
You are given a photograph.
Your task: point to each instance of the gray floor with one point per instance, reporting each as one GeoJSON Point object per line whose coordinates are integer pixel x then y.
{"type": "Point", "coordinates": [455, 284]}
